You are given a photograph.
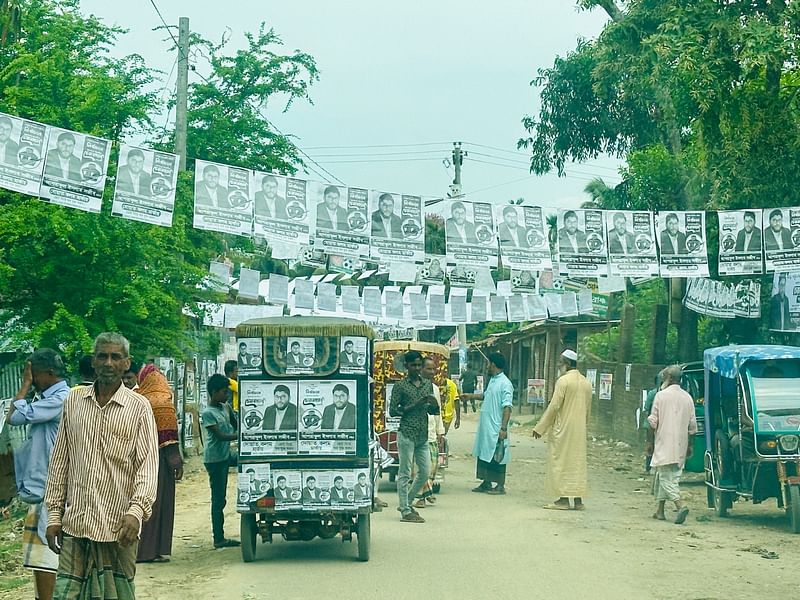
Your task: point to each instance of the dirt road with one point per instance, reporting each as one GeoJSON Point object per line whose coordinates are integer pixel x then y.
{"type": "Point", "coordinates": [478, 546]}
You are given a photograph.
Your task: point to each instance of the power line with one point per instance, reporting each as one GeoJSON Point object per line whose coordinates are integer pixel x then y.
{"type": "Point", "coordinates": [368, 154]}
{"type": "Point", "coordinates": [379, 146]}
{"type": "Point", "coordinates": [380, 160]}
{"type": "Point", "coordinates": [167, 27]}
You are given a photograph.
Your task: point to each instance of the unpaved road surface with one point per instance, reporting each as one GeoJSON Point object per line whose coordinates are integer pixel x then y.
{"type": "Point", "coordinates": [478, 546]}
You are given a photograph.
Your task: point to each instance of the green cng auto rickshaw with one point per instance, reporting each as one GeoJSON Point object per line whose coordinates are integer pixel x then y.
{"type": "Point", "coordinates": [692, 381]}
{"type": "Point", "coordinates": [305, 467]}
{"type": "Point", "coordinates": [752, 409]}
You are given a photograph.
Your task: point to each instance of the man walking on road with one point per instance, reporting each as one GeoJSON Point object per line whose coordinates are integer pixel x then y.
{"type": "Point", "coordinates": [412, 400]}
{"type": "Point", "coordinates": [469, 379]}
{"type": "Point", "coordinates": [672, 417]}
{"type": "Point", "coordinates": [565, 423]}
{"type": "Point", "coordinates": [102, 480]}
{"type": "Point", "coordinates": [491, 448]}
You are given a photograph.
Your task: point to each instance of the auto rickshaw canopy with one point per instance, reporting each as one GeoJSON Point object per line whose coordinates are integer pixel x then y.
{"type": "Point", "coordinates": [727, 360]}
{"type": "Point", "coordinates": [304, 327]}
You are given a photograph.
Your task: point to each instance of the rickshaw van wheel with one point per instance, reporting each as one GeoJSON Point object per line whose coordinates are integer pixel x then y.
{"type": "Point", "coordinates": [793, 508]}
{"type": "Point", "coordinates": [722, 503]}
{"type": "Point", "coordinates": [363, 535]}
{"type": "Point", "coordinates": [247, 533]}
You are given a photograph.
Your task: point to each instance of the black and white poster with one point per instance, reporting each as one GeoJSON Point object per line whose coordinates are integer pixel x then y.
{"type": "Point", "coordinates": [328, 417]}
{"type": "Point", "coordinates": [75, 170]}
{"type": "Point", "coordinates": [582, 243]}
{"type": "Point", "coordinates": [723, 300]}
{"type": "Point", "coordinates": [341, 492]}
{"type": "Point", "coordinates": [524, 282]}
{"type": "Point", "coordinates": [145, 186]}
{"type": "Point", "coordinates": [249, 356]}
{"type": "Point", "coordinates": [362, 490]}
{"type": "Point", "coordinates": [268, 414]}
{"type": "Point", "coordinates": [469, 234]}
{"type": "Point", "coordinates": [342, 219]}
{"type": "Point", "coordinates": [287, 487]}
{"type": "Point", "coordinates": [222, 198]}
{"type": "Point", "coordinates": [316, 489]}
{"type": "Point", "coordinates": [22, 153]}
{"type": "Point", "coordinates": [398, 230]}
{"type": "Point", "coordinates": [631, 244]}
{"type": "Point", "coordinates": [280, 209]}
{"type": "Point", "coordinates": [784, 302]}
{"type": "Point", "coordinates": [523, 242]}
{"type": "Point", "coordinates": [682, 243]}
{"type": "Point", "coordinates": [353, 355]}
{"type": "Point", "coordinates": [252, 483]}
{"type": "Point", "coordinates": [740, 248]}
{"type": "Point", "coordinates": [781, 239]}
{"type": "Point", "coordinates": [432, 271]}
{"type": "Point", "coordinates": [462, 276]}
{"type": "Point", "coordinates": [300, 354]}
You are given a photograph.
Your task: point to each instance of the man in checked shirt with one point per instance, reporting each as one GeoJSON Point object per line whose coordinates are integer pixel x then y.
{"type": "Point", "coordinates": [102, 480]}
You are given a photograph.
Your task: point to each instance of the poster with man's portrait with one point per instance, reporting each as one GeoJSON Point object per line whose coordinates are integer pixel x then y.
{"type": "Point", "coordinates": [287, 487]}
{"type": "Point", "coordinates": [316, 492]}
{"type": "Point", "coordinates": [222, 200]}
{"type": "Point", "coordinates": [22, 154]}
{"type": "Point", "coordinates": [342, 219]}
{"type": "Point", "coordinates": [353, 354]}
{"type": "Point", "coordinates": [341, 491]}
{"type": "Point", "coordinates": [249, 356]}
{"type": "Point", "coordinates": [784, 302]}
{"type": "Point", "coordinates": [523, 242]}
{"type": "Point", "coordinates": [524, 282]}
{"type": "Point", "coordinates": [300, 355]}
{"type": "Point", "coordinates": [470, 234]}
{"type": "Point", "coordinates": [280, 209]}
{"type": "Point", "coordinates": [327, 417]}
{"type": "Point", "coordinates": [432, 271]}
{"type": "Point", "coordinates": [362, 490]}
{"type": "Point", "coordinates": [631, 239]}
{"type": "Point", "coordinates": [462, 276]}
{"type": "Point", "coordinates": [75, 169]}
{"type": "Point", "coordinates": [268, 415]}
{"type": "Point", "coordinates": [397, 230]}
{"type": "Point", "coordinates": [253, 482]}
{"type": "Point", "coordinates": [582, 249]}
{"type": "Point", "coordinates": [740, 242]}
{"type": "Point", "coordinates": [781, 237]}
{"type": "Point", "coordinates": [682, 243]}
{"type": "Point", "coordinates": [145, 186]}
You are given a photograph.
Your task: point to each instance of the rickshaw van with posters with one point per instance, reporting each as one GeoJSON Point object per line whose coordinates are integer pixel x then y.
{"type": "Point", "coordinates": [752, 411]}
{"type": "Point", "coordinates": [305, 465]}
{"type": "Point", "coordinates": [388, 367]}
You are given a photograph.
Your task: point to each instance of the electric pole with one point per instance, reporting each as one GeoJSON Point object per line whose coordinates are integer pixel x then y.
{"type": "Point", "coordinates": [182, 95]}
{"type": "Point", "coordinates": [455, 192]}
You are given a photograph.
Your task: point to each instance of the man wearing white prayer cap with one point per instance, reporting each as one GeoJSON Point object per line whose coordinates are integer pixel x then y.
{"type": "Point", "coordinates": [564, 422]}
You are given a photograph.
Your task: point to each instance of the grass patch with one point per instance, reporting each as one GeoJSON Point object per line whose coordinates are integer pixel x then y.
{"type": "Point", "coordinates": [12, 574]}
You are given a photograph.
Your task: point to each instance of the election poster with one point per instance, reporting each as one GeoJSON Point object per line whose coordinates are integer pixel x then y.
{"type": "Point", "coordinates": [145, 186]}
{"type": "Point", "coordinates": [287, 487]}
{"type": "Point", "coordinates": [342, 219]}
{"type": "Point", "coordinates": [22, 153]}
{"type": "Point", "coordinates": [536, 391]}
{"type": "Point", "coordinates": [432, 271]}
{"type": "Point", "coordinates": [470, 235]}
{"type": "Point", "coordinates": [269, 418]}
{"type": "Point", "coordinates": [740, 248]}
{"type": "Point", "coordinates": [316, 489]}
{"type": "Point", "coordinates": [462, 276]}
{"type": "Point", "coordinates": [341, 492]}
{"type": "Point", "coordinates": [222, 198]}
{"type": "Point", "coordinates": [253, 482]}
{"type": "Point", "coordinates": [398, 228]}
{"type": "Point", "coordinates": [523, 242]}
{"type": "Point", "coordinates": [75, 169]}
{"type": "Point", "coordinates": [781, 237]}
{"type": "Point", "coordinates": [362, 490]}
{"type": "Point", "coordinates": [591, 375]}
{"type": "Point", "coordinates": [353, 355]}
{"type": "Point", "coordinates": [300, 355]}
{"type": "Point", "coordinates": [328, 417]}
{"type": "Point", "coordinates": [682, 243]}
{"type": "Point", "coordinates": [391, 423]}
{"type": "Point", "coordinates": [631, 244]}
{"type": "Point", "coordinates": [280, 209]}
{"type": "Point", "coordinates": [249, 358]}
{"type": "Point", "coordinates": [784, 302]}
{"type": "Point", "coordinates": [724, 300]}
{"type": "Point", "coordinates": [524, 282]}
{"type": "Point", "coordinates": [604, 386]}
{"type": "Point", "coordinates": [582, 250]}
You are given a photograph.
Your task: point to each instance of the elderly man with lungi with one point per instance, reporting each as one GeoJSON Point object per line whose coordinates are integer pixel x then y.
{"type": "Point", "coordinates": [565, 423]}
{"type": "Point", "coordinates": [491, 447]}
{"type": "Point", "coordinates": [672, 417]}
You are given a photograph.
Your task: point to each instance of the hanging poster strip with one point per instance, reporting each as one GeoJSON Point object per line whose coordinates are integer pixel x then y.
{"type": "Point", "coordinates": [469, 235]}
{"type": "Point", "coordinates": [75, 170]}
{"type": "Point", "coordinates": [22, 150]}
{"type": "Point", "coordinates": [782, 239]}
{"type": "Point", "coordinates": [222, 198]}
{"type": "Point", "coordinates": [581, 243]}
{"type": "Point", "coordinates": [682, 243]}
{"type": "Point", "coordinates": [145, 186]}
{"type": "Point", "coordinates": [280, 209]}
{"type": "Point", "coordinates": [523, 242]}
{"type": "Point", "coordinates": [740, 251]}
{"type": "Point", "coordinates": [398, 231]}
{"type": "Point", "coordinates": [342, 219]}
{"type": "Point", "coordinates": [631, 244]}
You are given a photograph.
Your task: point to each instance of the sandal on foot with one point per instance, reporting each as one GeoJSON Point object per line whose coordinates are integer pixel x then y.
{"type": "Point", "coordinates": [430, 500]}
{"type": "Point", "coordinates": [659, 517]}
{"type": "Point", "coordinates": [497, 491]}
{"type": "Point", "coordinates": [412, 517]}
{"type": "Point", "coordinates": [481, 489]}
{"type": "Point", "coordinates": [556, 506]}
{"type": "Point", "coordinates": [682, 514]}
{"type": "Point", "coordinates": [419, 503]}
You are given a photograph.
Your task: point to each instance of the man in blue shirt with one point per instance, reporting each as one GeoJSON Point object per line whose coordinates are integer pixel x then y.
{"type": "Point", "coordinates": [44, 372]}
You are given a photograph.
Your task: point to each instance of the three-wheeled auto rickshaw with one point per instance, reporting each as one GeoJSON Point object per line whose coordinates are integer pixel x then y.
{"type": "Point", "coordinates": [752, 411]}
{"type": "Point", "coordinates": [388, 367]}
{"type": "Point", "coordinates": [305, 468]}
{"type": "Point", "coordinates": [692, 376]}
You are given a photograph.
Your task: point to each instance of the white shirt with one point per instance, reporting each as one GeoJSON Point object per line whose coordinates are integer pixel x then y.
{"type": "Point", "coordinates": [461, 232]}
{"type": "Point", "coordinates": [387, 225]}
{"type": "Point", "coordinates": [337, 418]}
{"type": "Point", "coordinates": [212, 193]}
{"type": "Point", "coordinates": [279, 414]}
{"type": "Point", "coordinates": [513, 234]}
{"type": "Point", "coordinates": [778, 238]}
{"type": "Point", "coordinates": [674, 241]}
{"type": "Point", "coordinates": [333, 217]}
{"type": "Point", "coordinates": [270, 205]}
{"type": "Point", "coordinates": [623, 242]}
{"type": "Point", "coordinates": [747, 237]}
{"type": "Point", "coordinates": [135, 178]}
{"type": "Point", "coordinates": [64, 163]}
{"type": "Point", "coordinates": [573, 241]}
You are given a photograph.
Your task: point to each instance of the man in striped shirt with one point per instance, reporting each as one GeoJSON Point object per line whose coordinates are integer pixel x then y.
{"type": "Point", "coordinates": [102, 480]}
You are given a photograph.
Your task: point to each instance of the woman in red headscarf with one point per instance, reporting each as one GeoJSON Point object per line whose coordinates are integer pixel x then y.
{"type": "Point", "coordinates": [156, 538]}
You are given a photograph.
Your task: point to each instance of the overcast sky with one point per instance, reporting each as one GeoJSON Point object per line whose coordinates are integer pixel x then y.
{"type": "Point", "coordinates": [408, 78]}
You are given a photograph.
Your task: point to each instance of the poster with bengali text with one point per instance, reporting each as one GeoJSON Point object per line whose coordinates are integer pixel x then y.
{"type": "Point", "coordinates": [740, 242]}
{"type": "Point", "coordinates": [582, 250]}
{"type": "Point", "coordinates": [268, 417]}
{"type": "Point", "coordinates": [22, 154]}
{"type": "Point", "coordinates": [397, 227]}
{"type": "Point", "coordinates": [682, 243]}
{"type": "Point", "coordinates": [222, 200]}
{"type": "Point", "coordinates": [470, 234]}
{"type": "Point", "coordinates": [280, 209]}
{"type": "Point", "coordinates": [145, 186]}
{"type": "Point", "coordinates": [327, 417]}
{"type": "Point", "coordinates": [342, 219]}
{"type": "Point", "coordinates": [631, 237]}
{"type": "Point", "coordinates": [781, 236]}
{"type": "Point", "coordinates": [523, 242]}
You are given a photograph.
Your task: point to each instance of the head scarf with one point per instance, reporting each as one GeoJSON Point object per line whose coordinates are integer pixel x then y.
{"type": "Point", "coordinates": [155, 387]}
{"type": "Point", "coordinates": [146, 370]}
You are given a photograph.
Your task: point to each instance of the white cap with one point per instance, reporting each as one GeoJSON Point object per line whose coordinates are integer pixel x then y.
{"type": "Point", "coordinates": [570, 354]}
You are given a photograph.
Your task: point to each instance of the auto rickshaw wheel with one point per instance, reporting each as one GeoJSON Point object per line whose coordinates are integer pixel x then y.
{"type": "Point", "coordinates": [247, 532]}
{"type": "Point", "coordinates": [723, 502]}
{"type": "Point", "coordinates": [363, 535]}
{"type": "Point", "coordinates": [793, 508]}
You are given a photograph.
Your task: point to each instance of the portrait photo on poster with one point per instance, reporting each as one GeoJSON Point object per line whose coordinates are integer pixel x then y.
{"type": "Point", "coordinates": [268, 414]}
{"type": "Point", "coordinates": [781, 235]}
{"type": "Point", "coordinates": [328, 417]}
{"type": "Point", "coordinates": [287, 487]}
{"type": "Point", "coordinates": [222, 199]}
{"type": "Point", "coordinates": [682, 244]}
{"type": "Point", "coordinates": [23, 145]}
{"type": "Point", "coordinates": [145, 186]}
{"type": "Point", "coordinates": [300, 354]}
{"type": "Point", "coordinates": [631, 239]}
{"type": "Point", "coordinates": [740, 242]}
{"type": "Point", "coordinates": [353, 354]}
{"type": "Point", "coordinates": [470, 237]}
{"type": "Point", "coordinates": [582, 249]}
{"type": "Point", "coordinates": [522, 238]}
{"type": "Point", "coordinates": [397, 230]}
{"type": "Point", "coordinates": [254, 481]}
{"type": "Point", "coordinates": [249, 356]}
{"type": "Point", "coordinates": [280, 210]}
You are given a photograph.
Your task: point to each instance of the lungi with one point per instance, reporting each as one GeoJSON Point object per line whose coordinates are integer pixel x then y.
{"type": "Point", "coordinates": [492, 472]}
{"type": "Point", "coordinates": [36, 554]}
{"type": "Point", "coordinates": [90, 570]}
{"type": "Point", "coordinates": [666, 481]}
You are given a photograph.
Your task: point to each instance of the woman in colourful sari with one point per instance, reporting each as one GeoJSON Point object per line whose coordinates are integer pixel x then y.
{"type": "Point", "coordinates": [156, 538]}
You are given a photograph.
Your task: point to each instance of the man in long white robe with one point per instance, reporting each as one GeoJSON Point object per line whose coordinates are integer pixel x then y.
{"type": "Point", "coordinates": [564, 422]}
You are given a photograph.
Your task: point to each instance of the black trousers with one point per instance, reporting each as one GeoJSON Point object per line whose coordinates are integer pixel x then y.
{"type": "Point", "coordinates": [218, 481]}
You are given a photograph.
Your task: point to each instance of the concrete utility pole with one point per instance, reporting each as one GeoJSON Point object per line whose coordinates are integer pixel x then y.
{"type": "Point", "coordinates": [182, 96]}
{"type": "Point", "coordinates": [455, 192]}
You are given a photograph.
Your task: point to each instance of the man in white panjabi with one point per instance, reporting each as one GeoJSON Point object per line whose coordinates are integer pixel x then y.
{"type": "Point", "coordinates": [672, 417]}
{"type": "Point", "coordinates": [565, 422]}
